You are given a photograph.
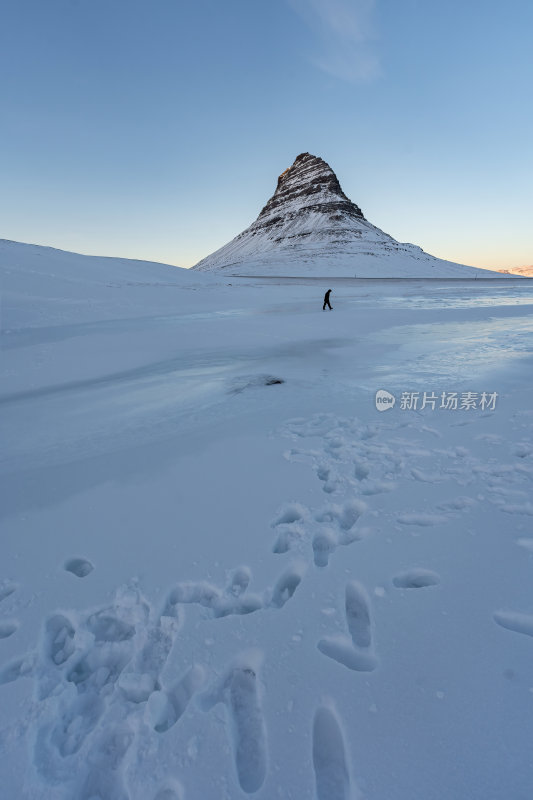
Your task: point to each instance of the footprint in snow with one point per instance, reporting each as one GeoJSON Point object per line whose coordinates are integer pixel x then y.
{"type": "Point", "coordinates": [515, 621]}
{"type": "Point", "coordinates": [239, 691]}
{"type": "Point", "coordinates": [287, 584]}
{"type": "Point", "coordinates": [17, 668]}
{"type": "Point", "coordinates": [113, 635]}
{"type": "Point", "coordinates": [56, 648]}
{"type": "Point", "coordinates": [288, 524]}
{"type": "Point", "coordinates": [141, 676]}
{"type": "Point", "coordinates": [288, 536]}
{"type": "Point", "coordinates": [289, 513]}
{"type": "Point", "coordinates": [425, 477]}
{"type": "Point", "coordinates": [355, 651]}
{"type": "Point", "coordinates": [248, 727]}
{"type": "Point", "coordinates": [340, 648]}
{"type": "Point", "coordinates": [345, 516]}
{"type": "Point", "coordinates": [361, 470]}
{"type": "Point", "coordinates": [80, 567]}
{"type": "Point", "coordinates": [357, 607]}
{"type": "Point", "coordinates": [332, 777]}
{"type": "Point", "coordinates": [522, 449]}
{"type": "Point", "coordinates": [341, 530]}
{"type": "Point", "coordinates": [416, 579]}
{"type": "Point", "coordinates": [166, 707]}
{"type": "Point", "coordinates": [171, 791]}
{"type": "Point", "coordinates": [239, 581]}
{"type": "Point", "coordinates": [294, 521]}
{"type": "Point", "coordinates": [106, 627]}
{"type": "Point", "coordinates": [324, 474]}
{"type": "Point", "coordinates": [324, 544]}
{"type": "Point", "coordinates": [8, 628]}
{"type": "Point", "coordinates": [6, 589]}
{"type": "Point", "coordinates": [101, 667]}
{"type": "Point", "coordinates": [106, 778]}
{"type": "Point", "coordinates": [76, 723]}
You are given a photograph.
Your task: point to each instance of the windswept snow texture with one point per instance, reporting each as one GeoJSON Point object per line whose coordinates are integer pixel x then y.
{"type": "Point", "coordinates": [309, 227]}
{"type": "Point", "coordinates": [215, 586]}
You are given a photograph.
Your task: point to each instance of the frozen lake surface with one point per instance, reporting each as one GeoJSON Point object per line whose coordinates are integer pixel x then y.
{"type": "Point", "coordinates": [226, 573]}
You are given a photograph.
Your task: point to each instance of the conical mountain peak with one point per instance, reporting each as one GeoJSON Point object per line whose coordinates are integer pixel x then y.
{"type": "Point", "coordinates": [309, 184]}
{"type": "Point", "coordinates": [310, 227]}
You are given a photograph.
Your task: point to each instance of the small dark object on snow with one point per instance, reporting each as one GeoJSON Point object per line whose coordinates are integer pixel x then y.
{"type": "Point", "coordinates": [326, 301]}
{"type": "Point", "coordinates": [244, 382]}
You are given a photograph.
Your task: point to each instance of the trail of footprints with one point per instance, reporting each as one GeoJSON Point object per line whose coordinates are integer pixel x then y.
{"type": "Point", "coordinates": [98, 674]}
{"type": "Point", "coordinates": [98, 681]}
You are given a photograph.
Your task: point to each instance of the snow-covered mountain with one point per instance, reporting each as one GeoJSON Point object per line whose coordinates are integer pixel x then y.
{"type": "Point", "coordinates": [310, 227]}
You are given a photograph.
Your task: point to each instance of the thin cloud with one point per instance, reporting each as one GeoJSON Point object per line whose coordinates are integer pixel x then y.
{"type": "Point", "coordinates": [345, 35]}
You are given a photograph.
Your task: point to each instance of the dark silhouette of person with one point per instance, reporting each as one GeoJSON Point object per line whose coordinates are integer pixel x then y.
{"type": "Point", "coordinates": [326, 301]}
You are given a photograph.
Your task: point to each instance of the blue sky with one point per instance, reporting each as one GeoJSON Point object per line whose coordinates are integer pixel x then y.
{"type": "Point", "coordinates": [156, 129]}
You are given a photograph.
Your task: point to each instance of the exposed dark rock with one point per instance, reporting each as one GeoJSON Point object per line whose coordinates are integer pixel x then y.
{"type": "Point", "coordinates": [308, 176]}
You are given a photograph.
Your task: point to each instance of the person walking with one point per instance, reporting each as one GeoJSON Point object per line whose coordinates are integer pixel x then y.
{"type": "Point", "coordinates": [326, 301]}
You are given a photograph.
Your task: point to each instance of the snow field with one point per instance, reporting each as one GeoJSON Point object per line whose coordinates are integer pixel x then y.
{"type": "Point", "coordinates": [216, 586]}
{"type": "Point", "coordinates": [101, 695]}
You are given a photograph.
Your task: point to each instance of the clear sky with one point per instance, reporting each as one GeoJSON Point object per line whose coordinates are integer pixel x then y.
{"type": "Point", "coordinates": [156, 129]}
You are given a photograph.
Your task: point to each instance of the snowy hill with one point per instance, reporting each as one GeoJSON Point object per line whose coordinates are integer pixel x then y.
{"type": "Point", "coordinates": [309, 227]}
{"type": "Point", "coordinates": [43, 284]}
{"type": "Point", "coordinates": [74, 267]}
